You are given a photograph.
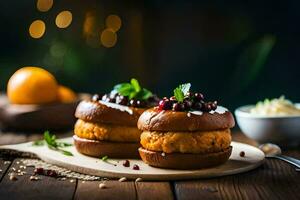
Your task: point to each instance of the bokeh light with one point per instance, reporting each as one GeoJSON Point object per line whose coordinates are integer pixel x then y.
{"type": "Point", "coordinates": [108, 38]}
{"type": "Point", "coordinates": [63, 19]}
{"type": "Point", "coordinates": [113, 22]}
{"type": "Point", "coordinates": [58, 49]}
{"type": "Point", "coordinates": [37, 29]}
{"type": "Point", "coordinates": [44, 5]}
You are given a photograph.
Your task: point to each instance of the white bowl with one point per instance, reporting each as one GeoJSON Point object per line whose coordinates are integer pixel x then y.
{"type": "Point", "coordinates": [276, 129]}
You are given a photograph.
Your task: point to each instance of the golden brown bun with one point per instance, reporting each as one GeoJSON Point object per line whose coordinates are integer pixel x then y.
{"type": "Point", "coordinates": [184, 160]}
{"type": "Point", "coordinates": [154, 119]}
{"type": "Point", "coordinates": [91, 111]}
{"type": "Point", "coordinates": [186, 142]}
{"type": "Point", "coordinates": [106, 132]}
{"type": "Point", "coordinates": [99, 149]}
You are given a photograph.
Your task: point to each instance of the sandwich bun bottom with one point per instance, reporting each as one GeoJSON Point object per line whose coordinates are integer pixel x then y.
{"type": "Point", "coordinates": [97, 148]}
{"type": "Point", "coordinates": [184, 161]}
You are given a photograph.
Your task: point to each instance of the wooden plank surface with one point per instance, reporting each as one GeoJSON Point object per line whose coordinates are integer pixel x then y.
{"type": "Point", "coordinates": [23, 188]}
{"type": "Point", "coordinates": [154, 190]}
{"type": "Point", "coordinates": [274, 180]}
{"type": "Point", "coordinates": [4, 165]}
{"type": "Point", "coordinates": [114, 190]}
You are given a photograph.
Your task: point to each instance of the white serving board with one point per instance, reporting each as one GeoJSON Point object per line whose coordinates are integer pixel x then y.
{"type": "Point", "coordinates": [93, 166]}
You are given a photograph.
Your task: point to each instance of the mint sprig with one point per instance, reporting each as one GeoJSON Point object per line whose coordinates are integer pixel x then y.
{"type": "Point", "coordinates": [50, 140]}
{"type": "Point", "coordinates": [133, 90]}
{"type": "Point", "coordinates": [181, 91]}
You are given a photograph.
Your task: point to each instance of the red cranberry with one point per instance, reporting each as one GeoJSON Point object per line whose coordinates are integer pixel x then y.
{"type": "Point", "coordinates": [126, 163]}
{"type": "Point", "coordinates": [39, 171]}
{"type": "Point", "coordinates": [190, 94]}
{"type": "Point", "coordinates": [178, 107]}
{"type": "Point", "coordinates": [188, 104]}
{"type": "Point", "coordinates": [197, 105]}
{"type": "Point", "coordinates": [136, 167]}
{"type": "Point", "coordinates": [165, 105]}
{"type": "Point", "coordinates": [242, 153]}
{"type": "Point", "coordinates": [51, 173]}
{"type": "Point", "coordinates": [141, 104]}
{"type": "Point", "coordinates": [214, 105]}
{"type": "Point", "coordinates": [133, 103]}
{"type": "Point", "coordinates": [122, 100]}
{"type": "Point", "coordinates": [198, 96]}
{"type": "Point", "coordinates": [206, 107]}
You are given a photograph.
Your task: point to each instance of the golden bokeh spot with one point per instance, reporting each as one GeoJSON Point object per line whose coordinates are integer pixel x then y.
{"type": "Point", "coordinates": [44, 5]}
{"type": "Point", "coordinates": [108, 38]}
{"type": "Point", "coordinates": [89, 24]}
{"type": "Point", "coordinates": [63, 19]}
{"type": "Point", "coordinates": [114, 22]}
{"type": "Point", "coordinates": [37, 29]}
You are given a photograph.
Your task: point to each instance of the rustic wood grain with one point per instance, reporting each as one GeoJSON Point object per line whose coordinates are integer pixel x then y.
{"type": "Point", "coordinates": [154, 190]}
{"type": "Point", "coordinates": [114, 190]}
{"type": "Point", "coordinates": [24, 188]}
{"type": "Point", "coordinates": [274, 180]}
{"type": "Point", "coordinates": [4, 165]}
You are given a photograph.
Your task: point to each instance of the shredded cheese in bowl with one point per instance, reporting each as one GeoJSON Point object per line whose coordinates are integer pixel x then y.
{"type": "Point", "coordinates": [275, 107]}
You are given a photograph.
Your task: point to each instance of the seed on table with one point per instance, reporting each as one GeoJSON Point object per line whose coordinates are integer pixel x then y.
{"type": "Point", "coordinates": [123, 179]}
{"type": "Point", "coordinates": [34, 178]}
{"type": "Point", "coordinates": [13, 178]}
{"type": "Point", "coordinates": [138, 180]}
{"type": "Point", "coordinates": [72, 181]}
{"type": "Point", "coordinates": [18, 162]}
{"type": "Point", "coordinates": [1, 170]}
{"type": "Point", "coordinates": [7, 162]}
{"type": "Point", "coordinates": [83, 182]}
{"type": "Point", "coordinates": [102, 186]}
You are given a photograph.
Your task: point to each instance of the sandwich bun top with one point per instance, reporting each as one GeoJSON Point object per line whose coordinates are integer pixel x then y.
{"type": "Point", "coordinates": [155, 119]}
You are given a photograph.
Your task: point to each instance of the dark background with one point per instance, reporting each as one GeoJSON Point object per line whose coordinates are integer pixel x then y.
{"type": "Point", "coordinates": [236, 52]}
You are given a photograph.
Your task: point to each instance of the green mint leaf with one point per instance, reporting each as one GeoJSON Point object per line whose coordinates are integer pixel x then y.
{"type": "Point", "coordinates": [135, 84]}
{"type": "Point", "coordinates": [50, 140]}
{"type": "Point", "coordinates": [38, 143]}
{"type": "Point", "coordinates": [132, 90]}
{"type": "Point", "coordinates": [124, 89]}
{"type": "Point", "coordinates": [185, 88]}
{"type": "Point", "coordinates": [144, 94]}
{"type": "Point", "coordinates": [104, 158]}
{"type": "Point", "coordinates": [67, 153]}
{"type": "Point", "coordinates": [178, 94]}
{"type": "Point", "coordinates": [63, 144]}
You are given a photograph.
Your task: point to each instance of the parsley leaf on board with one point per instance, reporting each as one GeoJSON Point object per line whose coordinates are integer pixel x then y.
{"type": "Point", "coordinates": [53, 144]}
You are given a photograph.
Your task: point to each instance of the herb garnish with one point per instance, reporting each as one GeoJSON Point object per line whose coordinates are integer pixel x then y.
{"type": "Point", "coordinates": [105, 159]}
{"type": "Point", "coordinates": [133, 90]}
{"type": "Point", "coordinates": [53, 144]}
{"type": "Point", "coordinates": [181, 91]}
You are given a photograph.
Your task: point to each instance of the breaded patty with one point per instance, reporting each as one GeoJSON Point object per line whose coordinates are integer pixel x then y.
{"type": "Point", "coordinates": [107, 132]}
{"type": "Point", "coordinates": [186, 142]}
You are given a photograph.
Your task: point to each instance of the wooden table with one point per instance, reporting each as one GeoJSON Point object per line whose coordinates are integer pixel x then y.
{"type": "Point", "coordinates": [274, 180]}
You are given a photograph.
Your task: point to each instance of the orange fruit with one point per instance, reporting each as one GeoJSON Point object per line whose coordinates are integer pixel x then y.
{"type": "Point", "coordinates": [32, 85]}
{"type": "Point", "coordinates": [65, 94]}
